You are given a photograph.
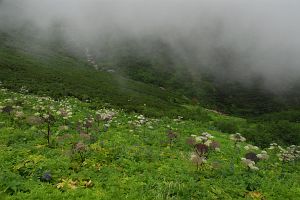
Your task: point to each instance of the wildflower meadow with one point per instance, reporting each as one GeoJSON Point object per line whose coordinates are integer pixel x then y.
{"type": "Point", "coordinates": [58, 149]}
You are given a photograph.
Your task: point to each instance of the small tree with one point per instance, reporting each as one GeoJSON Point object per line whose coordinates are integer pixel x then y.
{"type": "Point", "coordinates": [49, 120]}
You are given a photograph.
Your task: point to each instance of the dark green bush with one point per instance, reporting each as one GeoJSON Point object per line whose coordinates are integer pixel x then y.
{"type": "Point", "coordinates": [282, 132]}
{"type": "Point", "coordinates": [227, 126]}
{"type": "Point", "coordinates": [285, 131]}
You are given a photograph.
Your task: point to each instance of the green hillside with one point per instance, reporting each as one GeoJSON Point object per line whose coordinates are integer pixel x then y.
{"type": "Point", "coordinates": [66, 149]}
{"type": "Point", "coordinates": [58, 74]}
{"type": "Point", "coordinates": [157, 62]}
{"type": "Point", "coordinates": [49, 67]}
{"type": "Point", "coordinates": [143, 70]}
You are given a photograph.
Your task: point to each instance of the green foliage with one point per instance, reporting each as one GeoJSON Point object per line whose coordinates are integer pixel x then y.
{"type": "Point", "coordinates": [289, 115]}
{"type": "Point", "coordinates": [227, 126]}
{"type": "Point", "coordinates": [135, 157]}
{"type": "Point", "coordinates": [283, 132]}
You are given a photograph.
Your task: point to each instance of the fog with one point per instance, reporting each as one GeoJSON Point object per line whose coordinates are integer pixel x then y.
{"type": "Point", "coordinates": [257, 37]}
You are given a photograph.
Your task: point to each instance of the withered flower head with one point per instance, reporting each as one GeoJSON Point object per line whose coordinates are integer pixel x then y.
{"type": "Point", "coordinates": [201, 148]}
{"type": "Point", "coordinates": [80, 147]}
{"type": "Point", "coordinates": [171, 135]}
{"type": "Point", "coordinates": [191, 141]}
{"type": "Point", "coordinates": [252, 156]}
{"type": "Point", "coordinates": [214, 145]}
{"type": "Point", "coordinates": [7, 109]}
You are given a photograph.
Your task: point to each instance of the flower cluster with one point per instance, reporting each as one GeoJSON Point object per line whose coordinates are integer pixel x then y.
{"type": "Point", "coordinates": [250, 164]}
{"type": "Point", "coordinates": [142, 119]}
{"type": "Point", "coordinates": [252, 158]}
{"type": "Point", "coordinates": [204, 138]}
{"type": "Point", "coordinates": [263, 155]}
{"type": "Point", "coordinates": [179, 119]}
{"type": "Point", "coordinates": [47, 117]}
{"type": "Point", "coordinates": [295, 150]}
{"type": "Point", "coordinates": [289, 154]}
{"type": "Point", "coordinates": [105, 115]}
{"type": "Point", "coordinates": [15, 110]}
{"type": "Point", "coordinates": [237, 138]}
{"type": "Point", "coordinates": [33, 120]}
{"type": "Point", "coordinates": [274, 146]}
{"type": "Point", "coordinates": [19, 115]}
{"type": "Point", "coordinates": [139, 121]}
{"type": "Point", "coordinates": [250, 147]}
{"type": "Point", "coordinates": [24, 90]}
{"type": "Point", "coordinates": [88, 123]}
{"type": "Point", "coordinates": [202, 144]}
{"type": "Point", "coordinates": [65, 113]}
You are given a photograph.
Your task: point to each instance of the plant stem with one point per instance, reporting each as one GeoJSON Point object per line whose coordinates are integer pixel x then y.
{"type": "Point", "coordinates": [48, 133]}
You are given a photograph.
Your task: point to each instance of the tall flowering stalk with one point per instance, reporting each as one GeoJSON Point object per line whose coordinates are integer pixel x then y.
{"type": "Point", "coordinates": [88, 123]}
{"type": "Point", "coordinates": [236, 138]}
{"type": "Point", "coordinates": [202, 145]}
{"type": "Point", "coordinates": [49, 120]}
{"type": "Point", "coordinates": [171, 135]}
{"type": "Point", "coordinates": [81, 149]}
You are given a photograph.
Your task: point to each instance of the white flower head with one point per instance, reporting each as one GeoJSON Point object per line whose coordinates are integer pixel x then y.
{"type": "Point", "coordinates": [237, 137]}
{"type": "Point", "coordinates": [250, 164]}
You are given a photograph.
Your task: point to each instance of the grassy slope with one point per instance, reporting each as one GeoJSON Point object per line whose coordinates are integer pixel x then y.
{"type": "Point", "coordinates": [127, 161]}
{"type": "Point", "coordinates": [45, 68]}
{"type": "Point", "coordinates": [45, 71]}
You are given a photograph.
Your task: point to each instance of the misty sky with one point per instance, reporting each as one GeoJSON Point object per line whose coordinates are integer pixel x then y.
{"type": "Point", "coordinates": [264, 34]}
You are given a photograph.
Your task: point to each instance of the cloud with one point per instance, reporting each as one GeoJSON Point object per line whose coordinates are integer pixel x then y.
{"type": "Point", "coordinates": [258, 37]}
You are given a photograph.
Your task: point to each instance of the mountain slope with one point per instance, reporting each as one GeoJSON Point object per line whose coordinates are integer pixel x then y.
{"type": "Point", "coordinates": [51, 68]}
{"type": "Point", "coordinates": [109, 154]}
{"type": "Point", "coordinates": [157, 62]}
{"type": "Point", "coordinates": [146, 60]}
{"type": "Point", "coordinates": [59, 74]}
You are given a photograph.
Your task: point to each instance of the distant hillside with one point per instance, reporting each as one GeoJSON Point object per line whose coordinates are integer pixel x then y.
{"type": "Point", "coordinates": [57, 73]}
{"type": "Point", "coordinates": [155, 62]}
{"type": "Point", "coordinates": [146, 71]}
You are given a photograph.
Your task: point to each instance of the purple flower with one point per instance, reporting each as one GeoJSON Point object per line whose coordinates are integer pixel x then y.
{"type": "Point", "coordinates": [46, 177]}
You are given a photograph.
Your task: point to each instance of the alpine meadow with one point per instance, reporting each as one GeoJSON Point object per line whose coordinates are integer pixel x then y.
{"type": "Point", "coordinates": [149, 99]}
